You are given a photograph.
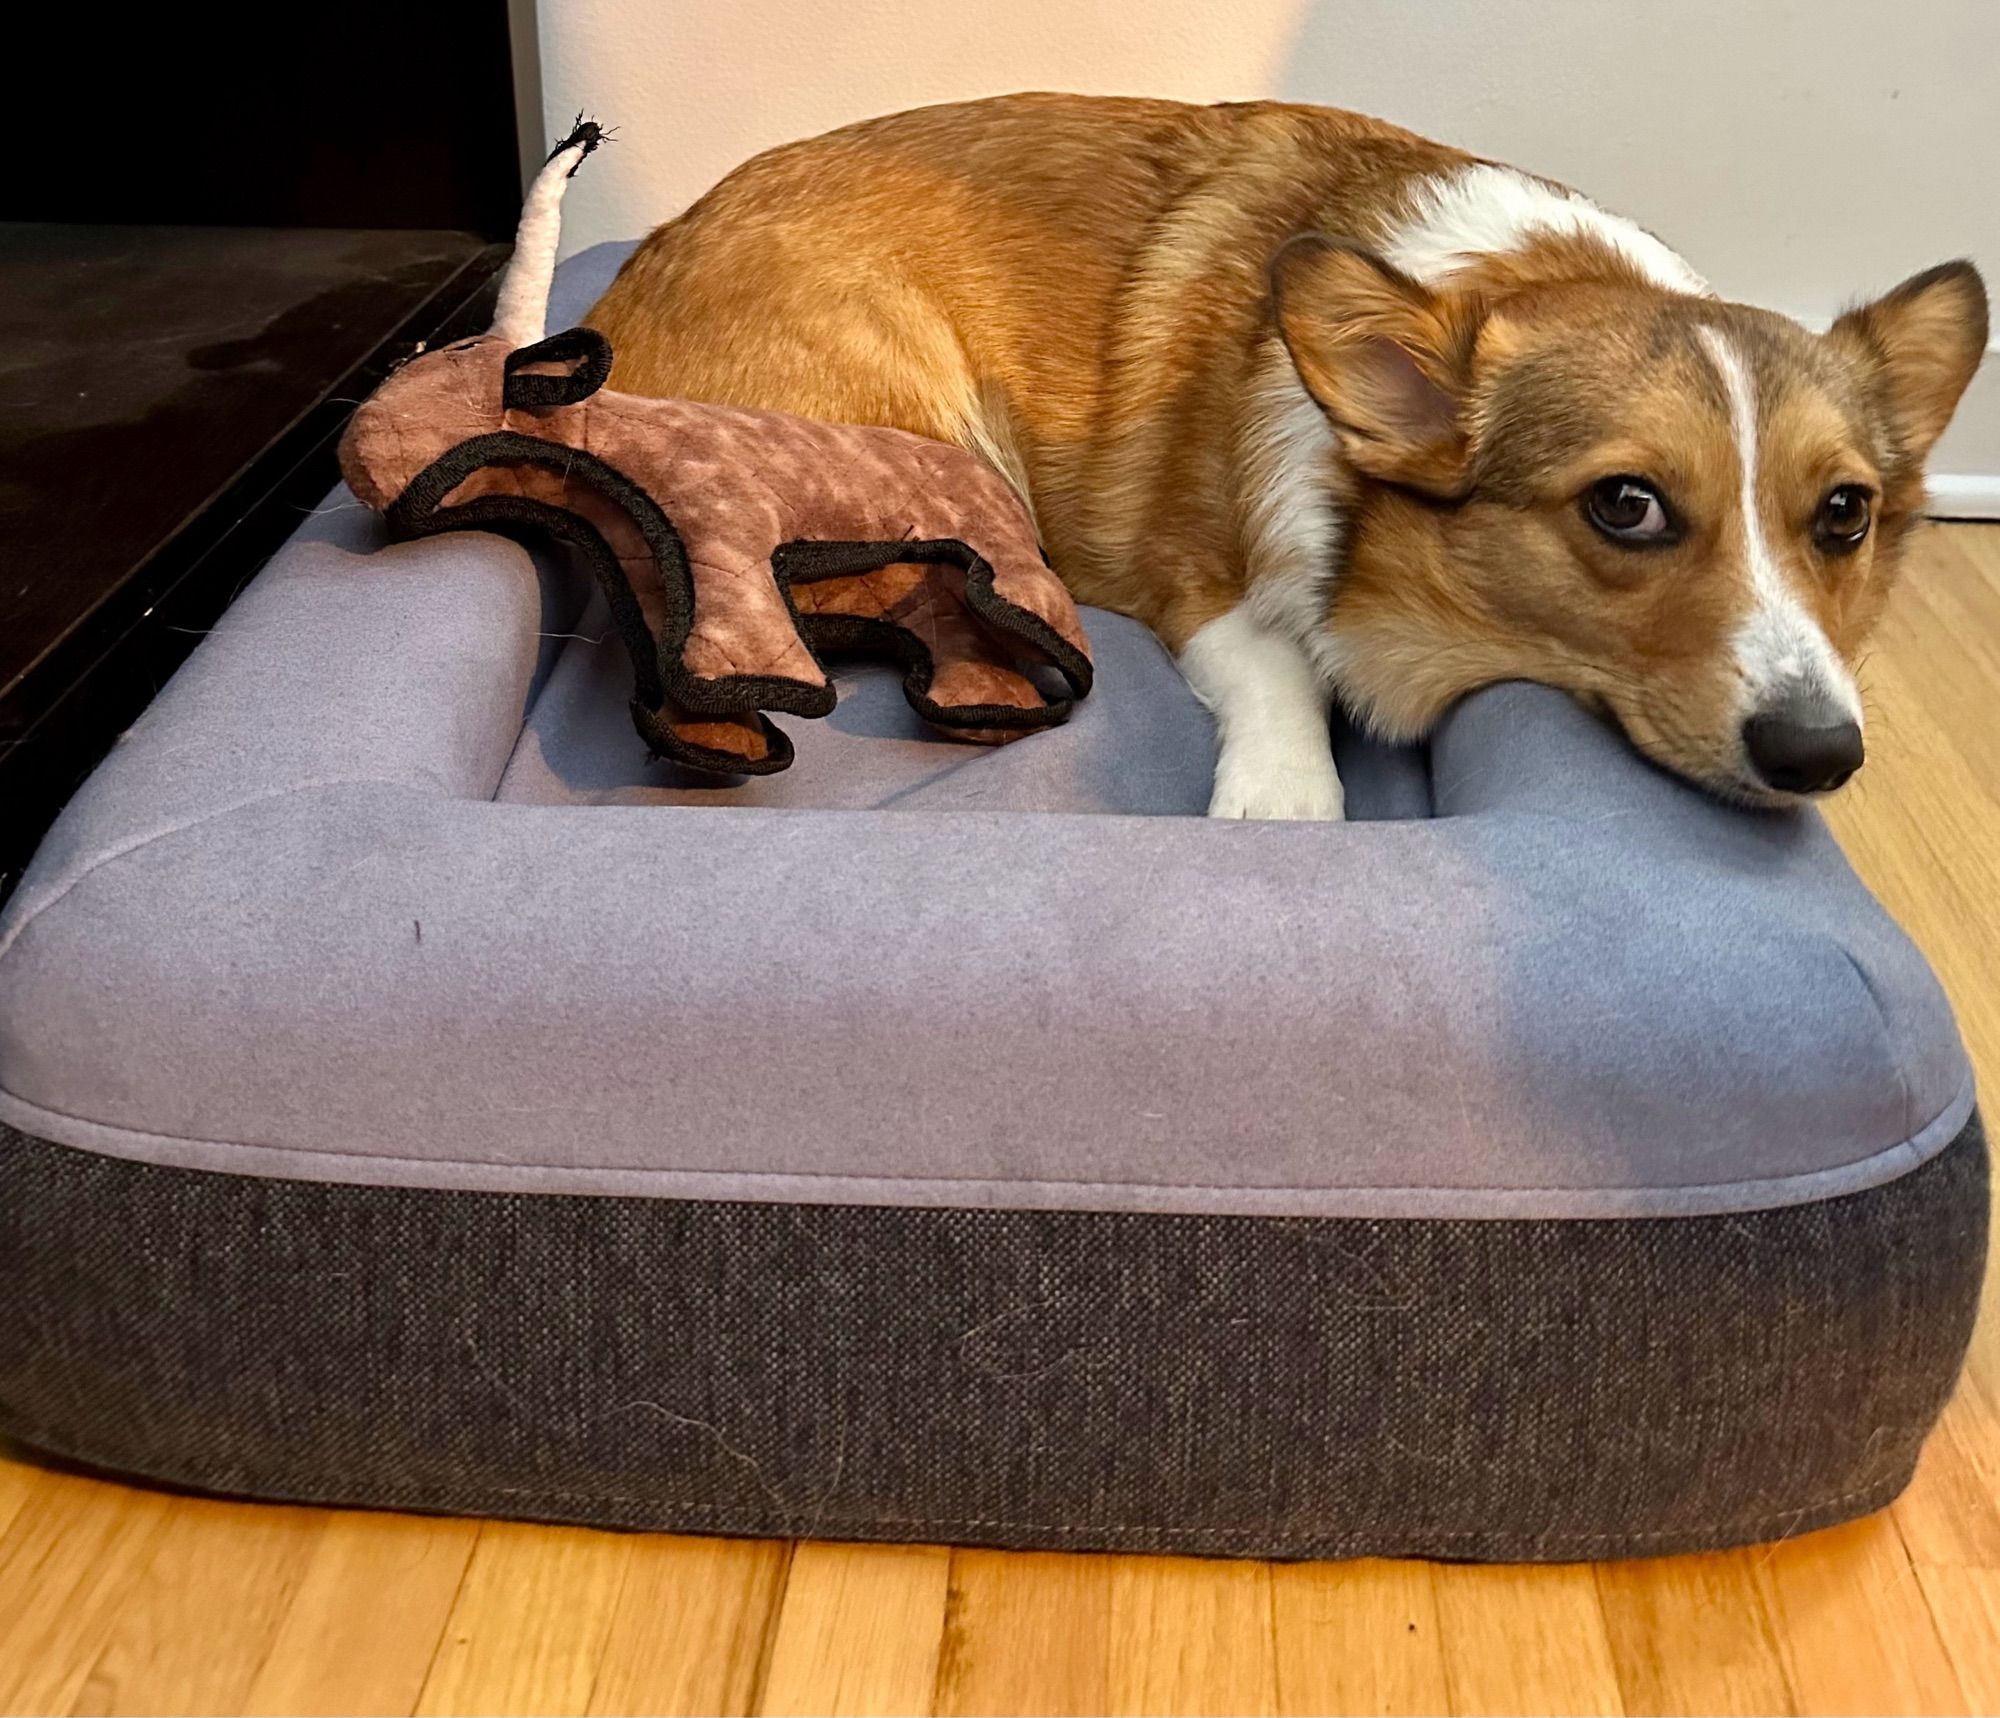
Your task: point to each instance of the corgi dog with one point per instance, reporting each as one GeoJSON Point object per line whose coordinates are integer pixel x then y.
{"type": "Point", "coordinates": [1342, 414]}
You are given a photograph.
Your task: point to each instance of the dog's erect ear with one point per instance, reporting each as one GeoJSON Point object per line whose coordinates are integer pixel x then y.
{"type": "Point", "coordinates": [1387, 359]}
{"type": "Point", "coordinates": [1922, 341]}
{"type": "Point", "coordinates": [558, 371]}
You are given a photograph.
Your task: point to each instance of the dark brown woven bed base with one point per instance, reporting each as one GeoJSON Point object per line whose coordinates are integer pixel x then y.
{"type": "Point", "coordinates": [1244, 1386]}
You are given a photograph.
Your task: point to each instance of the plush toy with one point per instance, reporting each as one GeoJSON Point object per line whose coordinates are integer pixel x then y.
{"type": "Point", "coordinates": [733, 546]}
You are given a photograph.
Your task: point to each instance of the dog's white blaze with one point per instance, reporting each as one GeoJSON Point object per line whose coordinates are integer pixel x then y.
{"type": "Point", "coordinates": [1292, 524]}
{"type": "Point", "coordinates": [1275, 757]}
{"type": "Point", "coordinates": [1484, 209]}
{"type": "Point", "coordinates": [1779, 647]}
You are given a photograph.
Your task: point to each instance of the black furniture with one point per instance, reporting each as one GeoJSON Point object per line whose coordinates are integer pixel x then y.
{"type": "Point", "coordinates": [246, 232]}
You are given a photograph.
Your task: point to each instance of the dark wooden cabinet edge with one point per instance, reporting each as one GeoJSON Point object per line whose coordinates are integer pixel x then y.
{"type": "Point", "coordinates": [67, 724]}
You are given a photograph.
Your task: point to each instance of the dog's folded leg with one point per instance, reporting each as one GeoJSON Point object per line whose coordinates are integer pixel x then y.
{"type": "Point", "coordinates": [1274, 756]}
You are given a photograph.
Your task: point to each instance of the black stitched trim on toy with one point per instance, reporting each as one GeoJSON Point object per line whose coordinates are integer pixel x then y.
{"type": "Point", "coordinates": [863, 636]}
{"type": "Point", "coordinates": [663, 742]}
{"type": "Point", "coordinates": [659, 675]}
{"type": "Point", "coordinates": [526, 392]}
{"type": "Point", "coordinates": [416, 512]}
{"type": "Point", "coordinates": [515, 515]}
{"type": "Point", "coordinates": [732, 695]}
{"type": "Point", "coordinates": [805, 561]}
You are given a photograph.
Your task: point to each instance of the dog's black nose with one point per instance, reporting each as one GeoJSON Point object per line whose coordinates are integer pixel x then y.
{"type": "Point", "coordinates": [1806, 750]}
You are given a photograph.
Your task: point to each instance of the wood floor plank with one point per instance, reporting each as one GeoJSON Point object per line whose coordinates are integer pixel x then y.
{"type": "Point", "coordinates": [192, 1634]}
{"type": "Point", "coordinates": [76, 1547]}
{"type": "Point", "coordinates": [367, 1617]}
{"type": "Point", "coordinates": [1965, 1604]}
{"type": "Point", "coordinates": [1190, 1637]}
{"type": "Point", "coordinates": [17, 1479]}
{"type": "Point", "coordinates": [1853, 1624]}
{"type": "Point", "coordinates": [1945, 619]}
{"type": "Point", "coordinates": [1950, 1516]}
{"type": "Point", "coordinates": [1358, 1637]}
{"type": "Point", "coordinates": [1927, 850]}
{"type": "Point", "coordinates": [860, 1630]}
{"type": "Point", "coordinates": [1525, 1640]}
{"type": "Point", "coordinates": [1978, 542]}
{"type": "Point", "coordinates": [1691, 1634]}
{"type": "Point", "coordinates": [1978, 1428]}
{"type": "Point", "coordinates": [1000, 1602]}
{"type": "Point", "coordinates": [528, 1628]}
{"type": "Point", "coordinates": [694, 1626]}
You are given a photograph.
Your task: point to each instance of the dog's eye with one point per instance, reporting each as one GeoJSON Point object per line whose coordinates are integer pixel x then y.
{"type": "Point", "coordinates": [1629, 510]}
{"type": "Point", "coordinates": [1842, 520]}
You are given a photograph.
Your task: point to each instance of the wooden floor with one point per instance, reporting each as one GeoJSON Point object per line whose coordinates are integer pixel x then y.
{"type": "Point", "coordinates": [121, 1600]}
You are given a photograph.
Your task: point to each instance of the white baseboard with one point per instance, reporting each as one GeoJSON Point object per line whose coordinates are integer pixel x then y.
{"type": "Point", "coordinates": [1954, 495]}
{"type": "Point", "coordinates": [1965, 465]}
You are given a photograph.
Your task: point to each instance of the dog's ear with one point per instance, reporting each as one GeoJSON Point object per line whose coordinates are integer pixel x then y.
{"type": "Point", "coordinates": [1921, 342]}
{"type": "Point", "coordinates": [1387, 359]}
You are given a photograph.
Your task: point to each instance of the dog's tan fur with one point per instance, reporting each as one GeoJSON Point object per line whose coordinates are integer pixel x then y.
{"type": "Point", "coordinates": [1099, 295]}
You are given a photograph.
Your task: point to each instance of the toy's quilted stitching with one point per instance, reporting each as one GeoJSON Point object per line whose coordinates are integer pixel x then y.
{"type": "Point", "coordinates": [737, 484]}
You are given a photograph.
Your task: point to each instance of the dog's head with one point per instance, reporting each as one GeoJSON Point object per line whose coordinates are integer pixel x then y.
{"type": "Point", "coordinates": [1684, 511]}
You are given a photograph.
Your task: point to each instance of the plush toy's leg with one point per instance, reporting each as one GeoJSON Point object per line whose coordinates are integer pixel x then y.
{"type": "Point", "coordinates": [716, 745]}
{"type": "Point", "coordinates": [744, 632]}
{"type": "Point", "coordinates": [1275, 756]}
{"type": "Point", "coordinates": [961, 675]}
{"type": "Point", "coordinates": [968, 666]}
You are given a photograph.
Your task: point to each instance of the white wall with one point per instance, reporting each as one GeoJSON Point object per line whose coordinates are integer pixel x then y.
{"type": "Point", "coordinates": [1799, 152]}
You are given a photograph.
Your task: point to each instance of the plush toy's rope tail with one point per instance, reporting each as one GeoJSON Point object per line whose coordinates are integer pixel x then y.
{"type": "Point", "coordinates": [584, 134]}
{"type": "Point", "coordinates": [522, 314]}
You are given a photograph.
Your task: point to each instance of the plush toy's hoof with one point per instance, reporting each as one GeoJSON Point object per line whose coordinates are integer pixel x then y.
{"type": "Point", "coordinates": [750, 744]}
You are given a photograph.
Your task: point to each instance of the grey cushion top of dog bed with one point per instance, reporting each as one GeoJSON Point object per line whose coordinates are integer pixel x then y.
{"type": "Point", "coordinates": [383, 889]}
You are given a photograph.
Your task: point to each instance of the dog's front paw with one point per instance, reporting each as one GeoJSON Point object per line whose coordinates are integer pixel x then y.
{"type": "Point", "coordinates": [1277, 788]}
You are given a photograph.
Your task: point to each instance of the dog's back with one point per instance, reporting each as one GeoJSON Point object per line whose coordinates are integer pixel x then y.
{"type": "Point", "coordinates": [1060, 282]}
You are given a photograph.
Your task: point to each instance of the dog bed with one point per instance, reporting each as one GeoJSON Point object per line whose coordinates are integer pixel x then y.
{"type": "Point", "coordinates": [415, 1097]}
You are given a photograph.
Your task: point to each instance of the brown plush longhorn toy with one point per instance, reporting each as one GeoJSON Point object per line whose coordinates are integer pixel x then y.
{"type": "Point", "coordinates": [732, 545]}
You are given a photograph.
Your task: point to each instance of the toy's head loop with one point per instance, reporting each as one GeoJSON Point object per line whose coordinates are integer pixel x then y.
{"type": "Point", "coordinates": [523, 310]}
{"type": "Point", "coordinates": [558, 371]}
